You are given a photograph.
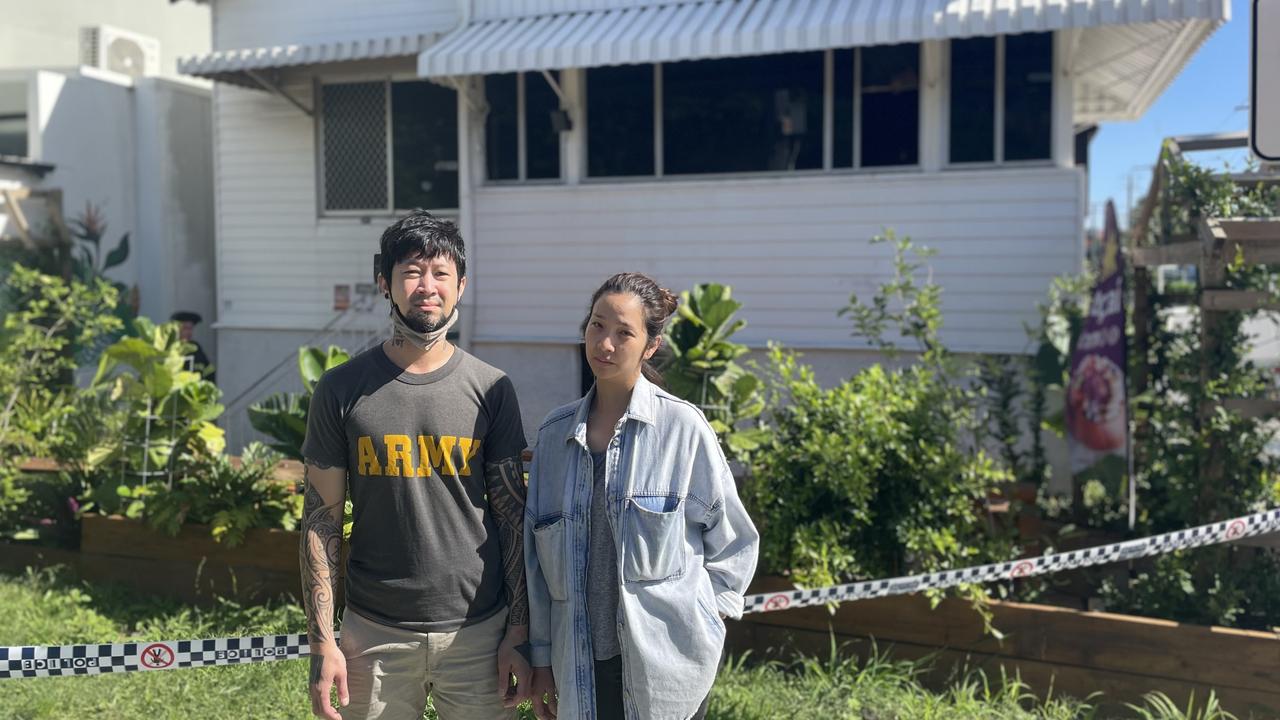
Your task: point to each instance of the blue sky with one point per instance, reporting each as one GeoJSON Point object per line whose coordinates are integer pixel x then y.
{"type": "Point", "coordinates": [1209, 96]}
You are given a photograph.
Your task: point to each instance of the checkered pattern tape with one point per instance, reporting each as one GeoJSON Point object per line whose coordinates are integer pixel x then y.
{"type": "Point", "coordinates": [1225, 531]}
{"type": "Point", "coordinates": [25, 662]}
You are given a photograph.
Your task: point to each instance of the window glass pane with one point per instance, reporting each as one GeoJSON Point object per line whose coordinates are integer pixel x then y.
{"type": "Point", "coordinates": [743, 114]}
{"type": "Point", "coordinates": [842, 106]}
{"type": "Point", "coordinates": [13, 134]}
{"type": "Point", "coordinates": [890, 105]}
{"type": "Point", "coordinates": [500, 139]}
{"type": "Point", "coordinates": [541, 140]}
{"type": "Point", "coordinates": [355, 146]}
{"type": "Point", "coordinates": [973, 100]}
{"type": "Point", "coordinates": [1028, 96]}
{"type": "Point", "coordinates": [620, 121]}
{"type": "Point", "coordinates": [424, 145]}
{"type": "Point", "coordinates": [13, 119]}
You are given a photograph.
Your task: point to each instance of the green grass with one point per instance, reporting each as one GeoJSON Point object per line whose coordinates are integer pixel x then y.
{"type": "Point", "coordinates": [875, 688]}
{"type": "Point", "coordinates": [46, 608]}
{"type": "Point", "coordinates": [879, 688]}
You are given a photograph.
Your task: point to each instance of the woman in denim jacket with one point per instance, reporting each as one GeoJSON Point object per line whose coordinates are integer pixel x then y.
{"type": "Point", "coordinates": [636, 544]}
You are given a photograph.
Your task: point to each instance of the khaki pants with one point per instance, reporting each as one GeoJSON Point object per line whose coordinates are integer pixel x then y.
{"type": "Point", "coordinates": [390, 671]}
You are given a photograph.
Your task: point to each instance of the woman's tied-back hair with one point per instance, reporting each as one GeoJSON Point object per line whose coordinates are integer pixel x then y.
{"type": "Point", "coordinates": [657, 303]}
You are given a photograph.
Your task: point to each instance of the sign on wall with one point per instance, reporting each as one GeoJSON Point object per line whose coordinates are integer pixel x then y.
{"type": "Point", "coordinates": [1264, 92]}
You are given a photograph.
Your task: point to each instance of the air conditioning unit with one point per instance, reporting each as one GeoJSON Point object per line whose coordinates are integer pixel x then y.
{"type": "Point", "coordinates": [119, 51]}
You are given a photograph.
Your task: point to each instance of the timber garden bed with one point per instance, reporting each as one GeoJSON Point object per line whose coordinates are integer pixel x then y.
{"type": "Point", "coordinates": [191, 566]}
{"type": "Point", "coordinates": [1053, 650]}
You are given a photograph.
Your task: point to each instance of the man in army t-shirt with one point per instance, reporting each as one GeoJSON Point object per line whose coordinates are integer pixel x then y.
{"type": "Point", "coordinates": [428, 440]}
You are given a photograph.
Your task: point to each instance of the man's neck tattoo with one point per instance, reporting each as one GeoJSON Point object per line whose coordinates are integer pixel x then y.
{"type": "Point", "coordinates": [401, 332]}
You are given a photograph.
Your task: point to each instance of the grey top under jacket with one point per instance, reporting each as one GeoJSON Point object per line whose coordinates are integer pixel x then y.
{"type": "Point", "coordinates": [602, 570]}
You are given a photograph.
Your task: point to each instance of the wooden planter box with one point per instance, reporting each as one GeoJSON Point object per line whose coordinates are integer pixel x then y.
{"type": "Point", "coordinates": [1068, 652]}
{"type": "Point", "coordinates": [190, 566]}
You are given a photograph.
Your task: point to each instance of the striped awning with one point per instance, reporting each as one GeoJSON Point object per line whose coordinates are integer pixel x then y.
{"type": "Point", "coordinates": [726, 28]}
{"type": "Point", "coordinates": [236, 66]}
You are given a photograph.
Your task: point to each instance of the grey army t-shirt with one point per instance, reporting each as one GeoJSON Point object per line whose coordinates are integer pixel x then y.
{"type": "Point", "coordinates": [425, 553]}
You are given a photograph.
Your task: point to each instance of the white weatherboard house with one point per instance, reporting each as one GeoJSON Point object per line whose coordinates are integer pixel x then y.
{"type": "Point", "coordinates": [759, 143]}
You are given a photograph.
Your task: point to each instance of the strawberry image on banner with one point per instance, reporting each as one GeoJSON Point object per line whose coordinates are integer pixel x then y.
{"type": "Point", "coordinates": [1097, 417]}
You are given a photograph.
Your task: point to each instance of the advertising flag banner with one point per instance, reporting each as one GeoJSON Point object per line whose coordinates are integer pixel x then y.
{"type": "Point", "coordinates": [1096, 402]}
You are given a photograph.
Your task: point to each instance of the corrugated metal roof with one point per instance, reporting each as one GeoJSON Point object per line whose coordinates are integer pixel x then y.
{"type": "Point", "coordinates": [230, 65]}
{"type": "Point", "coordinates": [726, 28]}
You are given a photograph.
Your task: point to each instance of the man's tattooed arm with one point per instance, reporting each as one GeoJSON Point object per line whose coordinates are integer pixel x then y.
{"type": "Point", "coordinates": [504, 481]}
{"type": "Point", "coordinates": [321, 546]}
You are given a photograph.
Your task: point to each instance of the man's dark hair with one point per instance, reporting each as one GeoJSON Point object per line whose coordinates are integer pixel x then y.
{"type": "Point", "coordinates": [421, 235]}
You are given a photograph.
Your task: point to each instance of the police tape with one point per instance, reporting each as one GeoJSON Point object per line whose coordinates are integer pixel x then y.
{"type": "Point", "coordinates": [1212, 534]}
{"type": "Point", "coordinates": [99, 659]}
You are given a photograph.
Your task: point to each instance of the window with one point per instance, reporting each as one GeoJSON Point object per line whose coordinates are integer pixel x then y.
{"type": "Point", "coordinates": [620, 136]}
{"type": "Point", "coordinates": [758, 114]}
{"type": "Point", "coordinates": [875, 106]}
{"type": "Point", "coordinates": [501, 128]}
{"type": "Point", "coordinates": [1001, 88]}
{"type": "Point", "coordinates": [13, 119]}
{"type": "Point", "coordinates": [542, 139]}
{"type": "Point", "coordinates": [973, 100]}
{"type": "Point", "coordinates": [843, 88]}
{"type": "Point", "coordinates": [835, 109]}
{"type": "Point", "coordinates": [424, 145]}
{"type": "Point", "coordinates": [388, 146]}
{"type": "Point", "coordinates": [1028, 96]}
{"type": "Point", "coordinates": [743, 114]}
{"type": "Point", "coordinates": [522, 139]}
{"type": "Point", "coordinates": [889, 97]}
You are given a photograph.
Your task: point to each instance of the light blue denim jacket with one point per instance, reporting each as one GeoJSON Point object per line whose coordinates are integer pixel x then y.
{"type": "Point", "coordinates": [685, 545]}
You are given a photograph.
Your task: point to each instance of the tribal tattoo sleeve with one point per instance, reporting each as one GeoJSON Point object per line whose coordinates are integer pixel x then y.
{"type": "Point", "coordinates": [504, 481]}
{"type": "Point", "coordinates": [321, 545]}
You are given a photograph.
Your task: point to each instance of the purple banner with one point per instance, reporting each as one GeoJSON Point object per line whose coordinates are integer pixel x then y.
{"type": "Point", "coordinates": [1096, 404]}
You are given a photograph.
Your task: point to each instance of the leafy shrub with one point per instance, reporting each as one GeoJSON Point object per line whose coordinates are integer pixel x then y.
{"type": "Point", "coordinates": [145, 418]}
{"type": "Point", "coordinates": [45, 321]}
{"type": "Point", "coordinates": [875, 477]}
{"type": "Point", "coordinates": [283, 416]}
{"type": "Point", "coordinates": [703, 367]}
{"type": "Point", "coordinates": [231, 499]}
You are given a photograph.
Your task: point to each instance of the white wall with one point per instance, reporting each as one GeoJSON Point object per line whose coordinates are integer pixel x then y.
{"type": "Point", "coordinates": [175, 239]}
{"type": "Point", "coordinates": [792, 248]}
{"type": "Point", "coordinates": [47, 34]}
{"type": "Point", "coordinates": [277, 260]}
{"type": "Point", "coordinates": [545, 376]}
{"type": "Point", "coordinates": [261, 23]}
{"type": "Point", "coordinates": [141, 153]}
{"type": "Point", "coordinates": [85, 127]}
